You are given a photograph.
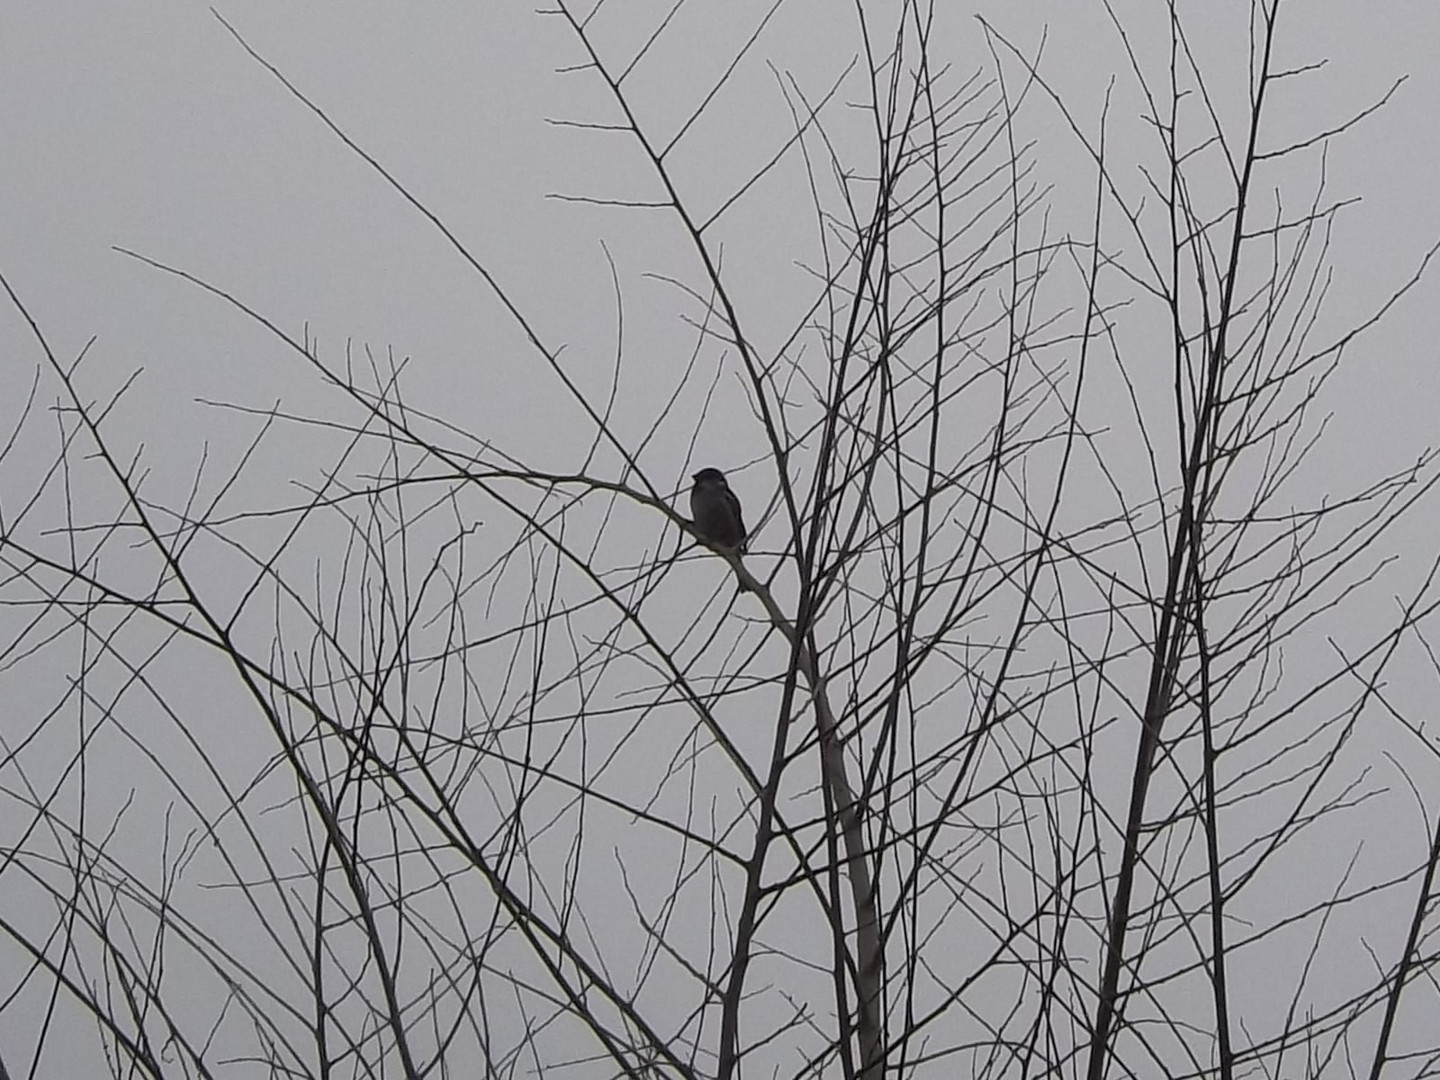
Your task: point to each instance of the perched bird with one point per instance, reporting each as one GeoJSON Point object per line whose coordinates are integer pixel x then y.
{"type": "Point", "coordinates": [716, 511]}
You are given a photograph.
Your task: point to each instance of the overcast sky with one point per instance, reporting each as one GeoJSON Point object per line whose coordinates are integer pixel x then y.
{"type": "Point", "coordinates": [145, 125]}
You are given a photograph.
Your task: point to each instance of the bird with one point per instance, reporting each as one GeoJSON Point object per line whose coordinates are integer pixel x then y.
{"type": "Point", "coordinates": [716, 511]}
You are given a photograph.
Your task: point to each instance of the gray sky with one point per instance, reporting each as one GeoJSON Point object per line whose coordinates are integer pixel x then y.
{"type": "Point", "coordinates": [145, 125]}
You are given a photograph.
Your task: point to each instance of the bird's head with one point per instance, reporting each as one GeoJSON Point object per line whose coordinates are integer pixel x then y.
{"type": "Point", "coordinates": [709, 476]}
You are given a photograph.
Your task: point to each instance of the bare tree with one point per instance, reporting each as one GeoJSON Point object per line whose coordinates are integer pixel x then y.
{"type": "Point", "coordinates": [996, 755]}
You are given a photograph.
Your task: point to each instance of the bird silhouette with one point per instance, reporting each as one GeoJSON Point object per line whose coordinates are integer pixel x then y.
{"type": "Point", "coordinates": [716, 511]}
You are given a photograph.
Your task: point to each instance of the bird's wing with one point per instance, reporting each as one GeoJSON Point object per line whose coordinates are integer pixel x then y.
{"type": "Point", "coordinates": [734, 504]}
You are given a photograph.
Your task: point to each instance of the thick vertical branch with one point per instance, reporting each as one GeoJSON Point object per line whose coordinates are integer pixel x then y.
{"type": "Point", "coordinates": [1178, 597]}
{"type": "Point", "coordinates": [869, 955]}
